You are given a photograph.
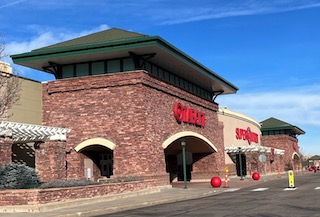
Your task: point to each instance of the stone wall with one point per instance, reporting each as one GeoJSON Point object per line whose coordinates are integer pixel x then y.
{"type": "Point", "coordinates": [133, 110]}
{"type": "Point", "coordinates": [53, 195]}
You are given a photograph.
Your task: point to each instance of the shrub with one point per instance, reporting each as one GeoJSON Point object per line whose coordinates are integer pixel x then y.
{"type": "Point", "coordinates": [121, 179]}
{"type": "Point", "coordinates": [67, 183]}
{"type": "Point", "coordinates": [18, 176]}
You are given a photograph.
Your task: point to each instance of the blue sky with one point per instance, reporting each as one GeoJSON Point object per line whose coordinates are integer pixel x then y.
{"type": "Point", "coordinates": [270, 49]}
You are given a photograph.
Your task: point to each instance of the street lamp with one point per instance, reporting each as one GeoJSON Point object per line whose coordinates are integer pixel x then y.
{"type": "Point", "coordinates": [183, 145]}
{"type": "Point", "coordinates": [240, 162]}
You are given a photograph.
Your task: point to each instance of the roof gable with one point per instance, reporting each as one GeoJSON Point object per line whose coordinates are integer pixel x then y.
{"type": "Point", "coordinates": [276, 124]}
{"type": "Point", "coordinates": [315, 157]}
{"type": "Point", "coordinates": [116, 43]}
{"type": "Point", "coordinates": [109, 35]}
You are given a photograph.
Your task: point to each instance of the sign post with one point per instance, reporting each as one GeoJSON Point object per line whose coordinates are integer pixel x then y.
{"type": "Point", "coordinates": [291, 179]}
{"type": "Point", "coordinates": [263, 159]}
{"type": "Point", "coordinates": [240, 163]}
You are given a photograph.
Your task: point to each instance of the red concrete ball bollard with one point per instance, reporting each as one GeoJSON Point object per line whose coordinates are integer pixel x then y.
{"type": "Point", "coordinates": [255, 176]}
{"type": "Point", "coordinates": [216, 182]}
{"type": "Point", "coordinates": [310, 169]}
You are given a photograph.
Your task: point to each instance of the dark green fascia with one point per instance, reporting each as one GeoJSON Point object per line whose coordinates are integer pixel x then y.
{"type": "Point", "coordinates": [43, 53]}
{"type": "Point", "coordinates": [294, 128]}
{"type": "Point", "coordinates": [190, 61]}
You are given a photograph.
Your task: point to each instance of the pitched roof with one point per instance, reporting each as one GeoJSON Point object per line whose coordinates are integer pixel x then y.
{"type": "Point", "coordinates": [109, 35]}
{"type": "Point", "coordinates": [315, 157]}
{"type": "Point", "coordinates": [117, 43]}
{"type": "Point", "coordinates": [276, 124]}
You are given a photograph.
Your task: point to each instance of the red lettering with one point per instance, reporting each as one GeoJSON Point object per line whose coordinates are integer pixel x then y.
{"type": "Point", "coordinates": [246, 134]}
{"type": "Point", "coordinates": [177, 112]}
{"type": "Point", "coordinates": [238, 133]}
{"type": "Point", "coordinates": [188, 115]}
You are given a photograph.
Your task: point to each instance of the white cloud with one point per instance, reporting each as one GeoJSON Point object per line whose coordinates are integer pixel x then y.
{"type": "Point", "coordinates": [48, 38]}
{"type": "Point", "coordinates": [11, 4]}
{"type": "Point", "coordinates": [42, 39]}
{"type": "Point", "coordinates": [213, 10]}
{"type": "Point", "coordinates": [298, 106]}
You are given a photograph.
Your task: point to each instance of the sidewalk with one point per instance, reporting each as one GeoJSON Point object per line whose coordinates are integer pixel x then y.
{"type": "Point", "coordinates": [127, 201]}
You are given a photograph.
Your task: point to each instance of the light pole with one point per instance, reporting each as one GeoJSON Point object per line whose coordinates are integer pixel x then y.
{"type": "Point", "coordinates": [240, 162]}
{"type": "Point", "coordinates": [184, 166]}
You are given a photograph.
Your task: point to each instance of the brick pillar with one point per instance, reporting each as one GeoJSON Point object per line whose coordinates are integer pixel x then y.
{"type": "Point", "coordinates": [5, 150]}
{"type": "Point", "coordinates": [50, 161]}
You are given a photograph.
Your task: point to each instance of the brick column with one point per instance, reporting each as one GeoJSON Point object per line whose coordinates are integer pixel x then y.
{"type": "Point", "coordinates": [50, 161]}
{"type": "Point", "coordinates": [5, 150]}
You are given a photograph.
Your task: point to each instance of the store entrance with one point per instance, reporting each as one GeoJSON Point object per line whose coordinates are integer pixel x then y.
{"type": "Point", "coordinates": [98, 161]}
{"type": "Point", "coordinates": [106, 165]}
{"type": "Point", "coordinates": [180, 166]}
{"type": "Point", "coordinates": [196, 148]}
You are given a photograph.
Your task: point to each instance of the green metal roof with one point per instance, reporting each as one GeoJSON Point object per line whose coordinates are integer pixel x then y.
{"type": "Point", "coordinates": [276, 124]}
{"type": "Point", "coordinates": [315, 157]}
{"type": "Point", "coordinates": [110, 35]}
{"type": "Point", "coordinates": [116, 43]}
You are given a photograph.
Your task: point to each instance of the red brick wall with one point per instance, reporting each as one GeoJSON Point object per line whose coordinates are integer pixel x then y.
{"type": "Point", "coordinates": [134, 111]}
{"type": "Point", "coordinates": [50, 160]}
{"type": "Point", "coordinates": [284, 142]}
{"type": "Point", "coordinates": [44, 196]}
{"type": "Point", "coordinates": [5, 150]}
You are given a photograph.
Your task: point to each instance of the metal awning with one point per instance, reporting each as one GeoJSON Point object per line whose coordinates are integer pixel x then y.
{"type": "Point", "coordinates": [23, 133]}
{"type": "Point", "coordinates": [254, 148]}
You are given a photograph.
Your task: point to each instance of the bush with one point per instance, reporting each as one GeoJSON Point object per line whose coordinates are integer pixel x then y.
{"type": "Point", "coordinates": [18, 176]}
{"type": "Point", "coordinates": [121, 179]}
{"type": "Point", "coordinates": [67, 183]}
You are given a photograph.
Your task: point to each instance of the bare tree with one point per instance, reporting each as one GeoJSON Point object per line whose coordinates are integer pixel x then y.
{"type": "Point", "coordinates": [9, 84]}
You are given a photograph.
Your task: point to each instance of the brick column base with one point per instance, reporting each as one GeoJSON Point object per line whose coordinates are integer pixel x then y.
{"type": "Point", "coordinates": [5, 151]}
{"type": "Point", "coordinates": [50, 161]}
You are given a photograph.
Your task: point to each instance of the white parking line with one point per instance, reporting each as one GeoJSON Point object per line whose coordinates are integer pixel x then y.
{"type": "Point", "coordinates": [260, 189]}
{"type": "Point", "coordinates": [290, 189]}
{"type": "Point", "coordinates": [232, 189]}
{"type": "Point", "coordinates": [317, 188]}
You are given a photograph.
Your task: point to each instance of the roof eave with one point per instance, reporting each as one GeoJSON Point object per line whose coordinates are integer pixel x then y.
{"type": "Point", "coordinates": [44, 54]}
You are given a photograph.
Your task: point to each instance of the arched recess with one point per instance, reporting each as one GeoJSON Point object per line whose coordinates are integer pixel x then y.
{"type": "Point", "coordinates": [295, 155]}
{"type": "Point", "coordinates": [197, 149]}
{"type": "Point", "coordinates": [183, 134]}
{"type": "Point", "coordinates": [296, 160]}
{"type": "Point", "coordinates": [97, 157]}
{"type": "Point", "coordinates": [103, 142]}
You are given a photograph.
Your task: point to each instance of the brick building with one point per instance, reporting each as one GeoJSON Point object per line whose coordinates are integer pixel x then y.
{"type": "Point", "coordinates": [279, 134]}
{"type": "Point", "coordinates": [132, 102]}
{"type": "Point", "coordinates": [243, 137]}
{"type": "Point", "coordinates": [139, 107]}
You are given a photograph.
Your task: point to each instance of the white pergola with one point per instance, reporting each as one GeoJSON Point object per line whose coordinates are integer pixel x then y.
{"type": "Point", "coordinates": [253, 148]}
{"type": "Point", "coordinates": [24, 133]}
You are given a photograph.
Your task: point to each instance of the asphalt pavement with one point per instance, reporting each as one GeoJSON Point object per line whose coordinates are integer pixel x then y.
{"type": "Point", "coordinates": [126, 201]}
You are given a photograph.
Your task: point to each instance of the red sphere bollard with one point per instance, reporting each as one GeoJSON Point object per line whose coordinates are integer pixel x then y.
{"type": "Point", "coordinates": [310, 169]}
{"type": "Point", "coordinates": [255, 176]}
{"type": "Point", "coordinates": [216, 182]}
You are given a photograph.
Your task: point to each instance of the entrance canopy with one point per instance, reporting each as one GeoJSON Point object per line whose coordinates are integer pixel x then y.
{"type": "Point", "coordinates": [24, 133]}
{"type": "Point", "coordinates": [254, 148]}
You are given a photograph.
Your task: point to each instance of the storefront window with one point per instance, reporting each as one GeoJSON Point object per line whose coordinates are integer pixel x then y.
{"type": "Point", "coordinates": [82, 69]}
{"type": "Point", "coordinates": [97, 68]}
{"type": "Point", "coordinates": [113, 66]}
{"type": "Point", "coordinates": [128, 64]}
{"type": "Point", "coordinates": [67, 71]}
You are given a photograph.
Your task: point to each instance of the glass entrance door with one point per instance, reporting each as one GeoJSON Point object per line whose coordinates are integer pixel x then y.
{"type": "Point", "coordinates": [106, 165]}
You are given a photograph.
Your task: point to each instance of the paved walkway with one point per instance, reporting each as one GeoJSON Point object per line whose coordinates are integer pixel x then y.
{"type": "Point", "coordinates": [110, 204]}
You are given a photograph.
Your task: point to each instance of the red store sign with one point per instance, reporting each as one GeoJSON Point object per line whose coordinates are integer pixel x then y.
{"type": "Point", "coordinates": [246, 134]}
{"type": "Point", "coordinates": [189, 115]}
